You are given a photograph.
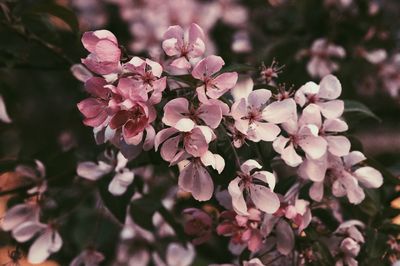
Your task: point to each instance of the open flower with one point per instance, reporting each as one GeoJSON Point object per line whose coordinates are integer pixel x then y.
{"type": "Point", "coordinates": [323, 95]}
{"type": "Point", "coordinates": [214, 86]}
{"type": "Point", "coordinates": [345, 178]}
{"type": "Point", "coordinates": [301, 133]}
{"type": "Point", "coordinates": [123, 176]}
{"type": "Point", "coordinates": [184, 46]}
{"type": "Point", "coordinates": [177, 114]}
{"type": "Point", "coordinates": [257, 120]}
{"type": "Point", "coordinates": [47, 242]}
{"type": "Point", "coordinates": [244, 230]}
{"type": "Point", "coordinates": [104, 52]}
{"type": "Point", "coordinates": [259, 185]}
{"type": "Point", "coordinates": [322, 52]}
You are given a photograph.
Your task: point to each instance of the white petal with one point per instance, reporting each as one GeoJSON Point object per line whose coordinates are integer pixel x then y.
{"type": "Point", "coordinates": [17, 215]}
{"type": "Point", "coordinates": [311, 115]}
{"type": "Point", "coordinates": [264, 198]}
{"type": "Point", "coordinates": [41, 249]}
{"type": "Point", "coordinates": [314, 169]}
{"type": "Point", "coordinates": [3, 112]}
{"type": "Point", "coordinates": [317, 191]}
{"type": "Point", "coordinates": [180, 256]}
{"type": "Point", "coordinates": [335, 125]}
{"type": "Point", "coordinates": [238, 201]}
{"type": "Point", "coordinates": [353, 158]}
{"type": "Point", "coordinates": [338, 145]}
{"type": "Point", "coordinates": [120, 183]}
{"type": "Point", "coordinates": [266, 177]}
{"type": "Point", "coordinates": [93, 171]}
{"type": "Point", "coordinates": [249, 165]}
{"type": "Point", "coordinates": [258, 98]}
{"type": "Point", "coordinates": [290, 156]}
{"type": "Point", "coordinates": [315, 147]}
{"type": "Point", "coordinates": [332, 109]}
{"type": "Point", "coordinates": [27, 230]}
{"type": "Point", "coordinates": [242, 89]}
{"type": "Point", "coordinates": [369, 177]}
{"type": "Point", "coordinates": [329, 88]}
{"type": "Point", "coordinates": [279, 112]}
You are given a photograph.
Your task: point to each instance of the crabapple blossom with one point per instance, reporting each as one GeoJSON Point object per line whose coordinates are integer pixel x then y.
{"type": "Point", "coordinates": [20, 214]}
{"type": "Point", "coordinates": [298, 212]}
{"type": "Point", "coordinates": [4, 117]}
{"type": "Point", "coordinates": [123, 176]}
{"type": "Point", "coordinates": [242, 229]}
{"type": "Point", "coordinates": [323, 95]}
{"type": "Point", "coordinates": [300, 134]}
{"type": "Point", "coordinates": [213, 85]}
{"type": "Point", "coordinates": [345, 175]}
{"type": "Point", "coordinates": [198, 224]}
{"type": "Point", "coordinates": [186, 47]}
{"type": "Point", "coordinates": [257, 120]}
{"type": "Point", "coordinates": [255, 184]}
{"type": "Point", "coordinates": [48, 240]}
{"type": "Point", "coordinates": [36, 175]}
{"type": "Point", "coordinates": [322, 53]}
{"type": "Point", "coordinates": [179, 115]}
{"type": "Point", "coordinates": [104, 52]}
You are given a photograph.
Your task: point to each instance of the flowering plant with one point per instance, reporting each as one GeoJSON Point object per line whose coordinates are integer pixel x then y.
{"type": "Point", "coordinates": [192, 157]}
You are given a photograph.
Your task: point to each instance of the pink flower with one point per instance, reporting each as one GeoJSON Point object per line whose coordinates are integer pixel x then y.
{"type": "Point", "coordinates": [198, 224]}
{"type": "Point", "coordinates": [195, 178]}
{"type": "Point", "coordinates": [302, 134]}
{"type": "Point", "coordinates": [195, 143]}
{"type": "Point", "coordinates": [257, 120]}
{"type": "Point", "coordinates": [242, 229]}
{"type": "Point", "coordinates": [177, 114]}
{"type": "Point", "coordinates": [323, 95]}
{"type": "Point", "coordinates": [96, 109]}
{"type": "Point", "coordinates": [345, 178]}
{"type": "Point", "coordinates": [123, 177]}
{"type": "Point", "coordinates": [321, 63]}
{"type": "Point", "coordinates": [184, 46]}
{"type": "Point", "coordinates": [104, 52]}
{"type": "Point", "coordinates": [255, 185]}
{"type": "Point", "coordinates": [299, 213]}
{"type": "Point", "coordinates": [214, 86]}
{"type": "Point", "coordinates": [48, 241]}
{"type": "Point", "coordinates": [146, 76]}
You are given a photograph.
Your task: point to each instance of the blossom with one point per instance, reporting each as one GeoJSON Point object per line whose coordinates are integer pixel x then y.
{"type": "Point", "coordinates": [177, 114]}
{"type": "Point", "coordinates": [184, 46]}
{"type": "Point", "coordinates": [300, 134]}
{"type": "Point", "coordinates": [36, 175]}
{"type": "Point", "coordinates": [345, 176]}
{"type": "Point", "coordinates": [257, 120]}
{"type": "Point", "coordinates": [176, 255]}
{"type": "Point", "coordinates": [242, 229]}
{"type": "Point", "coordinates": [323, 95]}
{"type": "Point", "coordinates": [198, 224]}
{"type": "Point", "coordinates": [322, 52]}
{"type": "Point", "coordinates": [214, 86]}
{"type": "Point", "coordinates": [104, 51]}
{"type": "Point", "coordinates": [299, 213]}
{"type": "Point", "coordinates": [19, 214]}
{"type": "Point", "coordinates": [47, 242]}
{"type": "Point", "coordinates": [123, 177]}
{"type": "Point", "coordinates": [255, 183]}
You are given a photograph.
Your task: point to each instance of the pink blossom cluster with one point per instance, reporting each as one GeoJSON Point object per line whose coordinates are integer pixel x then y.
{"type": "Point", "coordinates": [138, 105]}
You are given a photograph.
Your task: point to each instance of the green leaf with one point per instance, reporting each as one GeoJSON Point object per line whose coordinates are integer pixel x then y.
{"type": "Point", "coordinates": [143, 209]}
{"type": "Point", "coordinates": [358, 110]}
{"type": "Point", "coordinates": [65, 14]}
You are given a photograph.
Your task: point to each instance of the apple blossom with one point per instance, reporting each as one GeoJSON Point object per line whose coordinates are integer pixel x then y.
{"type": "Point", "coordinates": [255, 184]}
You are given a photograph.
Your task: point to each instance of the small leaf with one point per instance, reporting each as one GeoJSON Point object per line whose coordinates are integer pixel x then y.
{"type": "Point", "coordinates": [359, 110]}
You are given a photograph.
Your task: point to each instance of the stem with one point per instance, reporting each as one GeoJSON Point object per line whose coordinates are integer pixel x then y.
{"type": "Point", "coordinates": [235, 154]}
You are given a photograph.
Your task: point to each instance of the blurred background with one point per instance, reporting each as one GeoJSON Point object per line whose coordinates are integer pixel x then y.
{"type": "Point", "coordinates": [358, 41]}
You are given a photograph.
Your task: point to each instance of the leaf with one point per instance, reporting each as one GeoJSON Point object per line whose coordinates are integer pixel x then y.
{"type": "Point", "coordinates": [65, 14]}
{"type": "Point", "coordinates": [143, 209]}
{"type": "Point", "coordinates": [359, 110]}
{"type": "Point", "coordinates": [117, 205]}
